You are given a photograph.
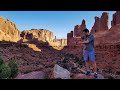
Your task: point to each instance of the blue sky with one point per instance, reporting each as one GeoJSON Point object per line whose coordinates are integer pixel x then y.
{"type": "Point", "coordinates": [59, 22]}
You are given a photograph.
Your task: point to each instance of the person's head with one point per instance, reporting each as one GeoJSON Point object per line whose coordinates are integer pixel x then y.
{"type": "Point", "coordinates": [86, 31]}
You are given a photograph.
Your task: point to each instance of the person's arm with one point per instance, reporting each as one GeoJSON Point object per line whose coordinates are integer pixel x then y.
{"type": "Point", "coordinates": [84, 42]}
{"type": "Point", "coordinates": [88, 40]}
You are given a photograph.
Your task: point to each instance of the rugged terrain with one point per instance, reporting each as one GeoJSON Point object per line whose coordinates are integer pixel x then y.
{"type": "Point", "coordinates": [38, 50]}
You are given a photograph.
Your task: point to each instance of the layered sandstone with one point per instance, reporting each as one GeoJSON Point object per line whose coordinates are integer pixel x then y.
{"type": "Point", "coordinates": [71, 40]}
{"type": "Point", "coordinates": [101, 24]}
{"type": "Point", "coordinates": [8, 31]}
{"type": "Point", "coordinates": [62, 42]}
{"type": "Point", "coordinates": [116, 19]}
{"type": "Point", "coordinates": [107, 44]}
{"type": "Point", "coordinates": [58, 42]}
{"type": "Point", "coordinates": [78, 29]}
{"type": "Point", "coordinates": [69, 37]}
{"type": "Point", "coordinates": [111, 36]}
{"type": "Point", "coordinates": [107, 47]}
{"type": "Point", "coordinates": [40, 34]}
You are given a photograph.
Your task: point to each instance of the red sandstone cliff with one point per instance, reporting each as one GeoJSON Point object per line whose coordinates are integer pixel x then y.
{"type": "Point", "coordinates": [101, 24]}
{"type": "Point", "coordinates": [71, 41]}
{"type": "Point", "coordinates": [8, 31]}
{"type": "Point", "coordinates": [78, 29]}
{"type": "Point", "coordinates": [113, 34]}
{"type": "Point", "coordinates": [40, 34]}
{"type": "Point", "coordinates": [116, 19]}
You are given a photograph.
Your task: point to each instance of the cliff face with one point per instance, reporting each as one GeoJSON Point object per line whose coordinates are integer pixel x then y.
{"type": "Point", "coordinates": [107, 43]}
{"type": "Point", "coordinates": [59, 42]}
{"type": "Point", "coordinates": [78, 28]}
{"type": "Point", "coordinates": [8, 31]}
{"type": "Point", "coordinates": [113, 34]}
{"type": "Point", "coordinates": [116, 19]}
{"type": "Point", "coordinates": [101, 24]}
{"type": "Point", "coordinates": [71, 41]}
{"type": "Point", "coordinates": [40, 34]}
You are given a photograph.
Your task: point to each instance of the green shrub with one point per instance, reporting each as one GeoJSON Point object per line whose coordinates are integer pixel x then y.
{"type": "Point", "coordinates": [5, 71]}
{"type": "Point", "coordinates": [14, 68]}
{"type": "Point", "coordinates": [1, 61]}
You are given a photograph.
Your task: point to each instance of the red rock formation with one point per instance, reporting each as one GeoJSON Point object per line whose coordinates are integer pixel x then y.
{"type": "Point", "coordinates": [59, 42]}
{"type": "Point", "coordinates": [104, 21]}
{"type": "Point", "coordinates": [101, 24]}
{"type": "Point", "coordinates": [83, 25]}
{"type": "Point", "coordinates": [111, 36]}
{"type": "Point", "coordinates": [107, 44]}
{"type": "Point", "coordinates": [116, 18]}
{"type": "Point", "coordinates": [63, 42]}
{"type": "Point", "coordinates": [41, 34]}
{"type": "Point", "coordinates": [107, 57]}
{"type": "Point", "coordinates": [71, 41]}
{"type": "Point", "coordinates": [69, 37]}
{"type": "Point", "coordinates": [78, 29]}
{"type": "Point", "coordinates": [8, 31]}
{"type": "Point", "coordinates": [96, 26]}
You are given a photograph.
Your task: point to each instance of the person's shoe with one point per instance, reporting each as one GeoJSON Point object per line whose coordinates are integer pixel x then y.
{"type": "Point", "coordinates": [88, 73]}
{"type": "Point", "coordinates": [95, 75]}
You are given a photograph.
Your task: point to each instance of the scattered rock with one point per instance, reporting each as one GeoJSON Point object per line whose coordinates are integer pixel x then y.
{"type": "Point", "coordinates": [32, 75]}
{"type": "Point", "coordinates": [83, 76]}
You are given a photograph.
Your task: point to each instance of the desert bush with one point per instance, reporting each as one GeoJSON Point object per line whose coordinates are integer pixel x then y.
{"type": "Point", "coordinates": [14, 68]}
{"type": "Point", "coordinates": [5, 71]}
{"type": "Point", "coordinates": [1, 61]}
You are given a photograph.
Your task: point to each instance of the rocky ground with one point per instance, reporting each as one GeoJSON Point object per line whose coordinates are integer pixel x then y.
{"type": "Point", "coordinates": [32, 62]}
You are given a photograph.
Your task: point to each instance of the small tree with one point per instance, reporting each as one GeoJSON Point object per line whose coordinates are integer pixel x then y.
{"type": "Point", "coordinates": [1, 61]}
{"type": "Point", "coordinates": [5, 71]}
{"type": "Point", "coordinates": [14, 68]}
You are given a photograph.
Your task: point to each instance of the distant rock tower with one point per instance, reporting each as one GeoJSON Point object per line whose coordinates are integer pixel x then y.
{"type": "Point", "coordinates": [101, 24]}
{"type": "Point", "coordinates": [76, 33]}
{"type": "Point", "coordinates": [78, 28]}
{"type": "Point", "coordinates": [116, 19]}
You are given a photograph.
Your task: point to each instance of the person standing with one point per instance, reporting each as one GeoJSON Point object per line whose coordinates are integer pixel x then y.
{"type": "Point", "coordinates": [89, 52]}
